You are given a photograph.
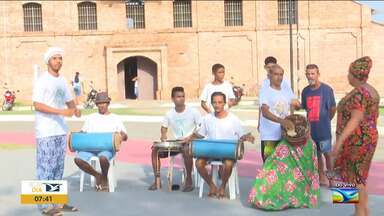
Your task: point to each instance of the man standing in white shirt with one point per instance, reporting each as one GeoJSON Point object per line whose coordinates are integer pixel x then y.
{"type": "Point", "coordinates": [101, 122]}
{"type": "Point", "coordinates": [275, 103]}
{"type": "Point", "coordinates": [218, 85]}
{"type": "Point", "coordinates": [183, 121]}
{"type": "Point", "coordinates": [50, 98]}
{"type": "Point", "coordinates": [219, 125]}
{"type": "Point", "coordinates": [285, 85]}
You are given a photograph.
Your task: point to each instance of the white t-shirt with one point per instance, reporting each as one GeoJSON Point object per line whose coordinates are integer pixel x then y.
{"type": "Point", "coordinates": [182, 124]}
{"type": "Point", "coordinates": [209, 89]}
{"type": "Point", "coordinates": [226, 128]}
{"type": "Point", "coordinates": [285, 85]}
{"type": "Point", "coordinates": [279, 102]}
{"type": "Point", "coordinates": [98, 123]}
{"type": "Point", "coordinates": [51, 91]}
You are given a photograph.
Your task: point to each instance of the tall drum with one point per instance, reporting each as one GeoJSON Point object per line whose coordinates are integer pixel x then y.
{"type": "Point", "coordinates": [217, 149]}
{"type": "Point", "coordinates": [79, 141]}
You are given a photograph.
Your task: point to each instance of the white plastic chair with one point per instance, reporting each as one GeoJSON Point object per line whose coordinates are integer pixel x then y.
{"type": "Point", "coordinates": [233, 181]}
{"type": "Point", "coordinates": [112, 183]}
{"type": "Point", "coordinates": [195, 174]}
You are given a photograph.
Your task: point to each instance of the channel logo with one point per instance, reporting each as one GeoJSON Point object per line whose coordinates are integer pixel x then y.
{"type": "Point", "coordinates": [345, 195]}
{"type": "Point", "coordinates": [52, 187]}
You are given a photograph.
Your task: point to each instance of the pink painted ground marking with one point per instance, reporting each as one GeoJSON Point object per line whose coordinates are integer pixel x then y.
{"type": "Point", "coordinates": [139, 151]}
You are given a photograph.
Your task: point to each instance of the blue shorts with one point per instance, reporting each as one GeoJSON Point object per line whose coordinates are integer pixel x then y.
{"type": "Point", "coordinates": [324, 146]}
{"type": "Point", "coordinates": [77, 91]}
{"type": "Point", "coordinates": [86, 156]}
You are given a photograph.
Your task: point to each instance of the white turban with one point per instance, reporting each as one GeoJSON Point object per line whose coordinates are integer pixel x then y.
{"type": "Point", "coordinates": [51, 52]}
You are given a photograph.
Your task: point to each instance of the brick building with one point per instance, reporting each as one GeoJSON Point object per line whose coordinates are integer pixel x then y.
{"type": "Point", "coordinates": [168, 43]}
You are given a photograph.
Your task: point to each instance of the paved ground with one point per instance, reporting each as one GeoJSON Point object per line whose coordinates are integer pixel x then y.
{"type": "Point", "coordinates": [132, 197]}
{"type": "Point", "coordinates": [134, 174]}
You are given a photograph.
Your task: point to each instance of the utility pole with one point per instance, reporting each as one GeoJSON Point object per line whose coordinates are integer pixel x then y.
{"type": "Point", "coordinates": [290, 13]}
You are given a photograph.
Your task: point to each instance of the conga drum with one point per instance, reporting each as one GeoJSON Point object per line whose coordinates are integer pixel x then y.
{"type": "Point", "coordinates": [79, 141]}
{"type": "Point", "coordinates": [217, 149]}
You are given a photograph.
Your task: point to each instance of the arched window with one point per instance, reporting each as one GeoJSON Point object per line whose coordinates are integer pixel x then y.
{"type": "Point", "coordinates": [33, 21]}
{"type": "Point", "coordinates": [87, 16]}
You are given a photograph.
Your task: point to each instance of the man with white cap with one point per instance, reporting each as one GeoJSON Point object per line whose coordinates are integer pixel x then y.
{"type": "Point", "coordinates": [52, 101]}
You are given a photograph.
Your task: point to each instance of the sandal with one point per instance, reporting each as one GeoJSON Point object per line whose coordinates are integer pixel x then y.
{"type": "Point", "coordinates": [52, 211]}
{"type": "Point", "coordinates": [68, 208]}
{"type": "Point", "coordinates": [98, 187]}
{"type": "Point", "coordinates": [103, 189]}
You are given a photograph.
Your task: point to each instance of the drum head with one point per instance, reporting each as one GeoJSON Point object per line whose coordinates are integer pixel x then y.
{"type": "Point", "coordinates": [117, 139]}
{"type": "Point", "coordinates": [69, 142]}
{"type": "Point", "coordinates": [168, 144]}
{"type": "Point", "coordinates": [240, 150]}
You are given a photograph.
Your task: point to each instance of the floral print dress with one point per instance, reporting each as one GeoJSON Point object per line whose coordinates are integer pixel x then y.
{"type": "Point", "coordinates": [353, 162]}
{"type": "Point", "coordinates": [289, 179]}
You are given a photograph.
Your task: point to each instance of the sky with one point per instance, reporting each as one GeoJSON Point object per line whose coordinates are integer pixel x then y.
{"type": "Point", "coordinates": [378, 6]}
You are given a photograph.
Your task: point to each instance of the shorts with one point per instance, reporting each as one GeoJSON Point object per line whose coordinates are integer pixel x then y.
{"type": "Point", "coordinates": [77, 91]}
{"type": "Point", "coordinates": [165, 154]}
{"type": "Point", "coordinates": [267, 148]}
{"type": "Point", "coordinates": [86, 156]}
{"type": "Point", "coordinates": [324, 146]}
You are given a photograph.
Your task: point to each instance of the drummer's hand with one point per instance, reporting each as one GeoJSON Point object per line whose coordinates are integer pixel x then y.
{"type": "Point", "coordinates": [123, 135]}
{"type": "Point", "coordinates": [187, 139]}
{"type": "Point", "coordinates": [248, 137]}
{"type": "Point", "coordinates": [287, 124]}
{"type": "Point", "coordinates": [163, 138]}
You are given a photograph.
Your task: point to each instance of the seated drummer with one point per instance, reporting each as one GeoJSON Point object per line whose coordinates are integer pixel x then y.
{"type": "Point", "coordinates": [101, 122]}
{"type": "Point", "coordinates": [219, 125]}
{"type": "Point", "coordinates": [182, 120]}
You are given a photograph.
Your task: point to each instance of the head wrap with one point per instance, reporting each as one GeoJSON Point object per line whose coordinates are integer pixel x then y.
{"type": "Point", "coordinates": [361, 67]}
{"type": "Point", "coordinates": [51, 52]}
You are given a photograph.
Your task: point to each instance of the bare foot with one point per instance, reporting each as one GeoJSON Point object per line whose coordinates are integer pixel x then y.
{"type": "Point", "coordinates": [98, 179]}
{"type": "Point", "coordinates": [221, 193]}
{"type": "Point", "coordinates": [104, 184]}
{"type": "Point", "coordinates": [154, 186]}
{"type": "Point", "coordinates": [188, 186]}
{"type": "Point", "coordinates": [212, 191]}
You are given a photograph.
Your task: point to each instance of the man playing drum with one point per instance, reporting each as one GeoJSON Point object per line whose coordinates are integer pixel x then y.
{"type": "Point", "coordinates": [182, 120]}
{"type": "Point", "coordinates": [101, 122]}
{"type": "Point", "coordinates": [219, 125]}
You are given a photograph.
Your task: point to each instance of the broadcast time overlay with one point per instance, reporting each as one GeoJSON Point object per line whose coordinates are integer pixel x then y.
{"type": "Point", "coordinates": [44, 192]}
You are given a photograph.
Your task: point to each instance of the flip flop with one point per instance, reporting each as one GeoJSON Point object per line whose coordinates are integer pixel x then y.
{"type": "Point", "coordinates": [52, 212]}
{"type": "Point", "coordinates": [103, 189]}
{"type": "Point", "coordinates": [68, 208]}
{"type": "Point", "coordinates": [98, 187]}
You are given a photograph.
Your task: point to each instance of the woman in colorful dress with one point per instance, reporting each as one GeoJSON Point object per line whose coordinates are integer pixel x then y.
{"type": "Point", "coordinates": [289, 177]}
{"type": "Point", "coordinates": [356, 134]}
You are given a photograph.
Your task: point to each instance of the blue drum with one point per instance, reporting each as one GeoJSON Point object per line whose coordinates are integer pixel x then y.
{"type": "Point", "coordinates": [217, 149]}
{"type": "Point", "coordinates": [79, 141]}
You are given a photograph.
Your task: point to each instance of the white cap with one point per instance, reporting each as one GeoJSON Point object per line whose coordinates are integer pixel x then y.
{"type": "Point", "coordinates": [51, 52]}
